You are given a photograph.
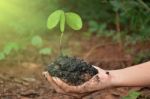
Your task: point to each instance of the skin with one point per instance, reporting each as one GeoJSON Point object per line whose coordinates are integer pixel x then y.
{"type": "Point", "coordinates": [137, 75]}
{"type": "Point", "coordinates": [132, 76]}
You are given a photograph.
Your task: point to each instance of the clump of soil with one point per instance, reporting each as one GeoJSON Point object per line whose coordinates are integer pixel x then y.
{"type": "Point", "coordinates": [72, 70]}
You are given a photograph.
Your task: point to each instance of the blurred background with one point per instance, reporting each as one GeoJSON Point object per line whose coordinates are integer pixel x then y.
{"type": "Point", "coordinates": [115, 34]}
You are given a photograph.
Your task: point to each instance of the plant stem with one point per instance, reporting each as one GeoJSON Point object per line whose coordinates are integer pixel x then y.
{"type": "Point", "coordinates": [117, 22]}
{"type": "Point", "coordinates": [118, 29]}
{"type": "Point", "coordinates": [60, 42]}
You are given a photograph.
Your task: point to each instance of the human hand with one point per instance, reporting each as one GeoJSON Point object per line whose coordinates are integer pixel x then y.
{"type": "Point", "coordinates": [99, 81]}
{"type": "Point", "coordinates": [58, 89]}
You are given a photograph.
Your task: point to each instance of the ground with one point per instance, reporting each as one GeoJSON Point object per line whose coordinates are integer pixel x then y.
{"type": "Point", "coordinates": [27, 82]}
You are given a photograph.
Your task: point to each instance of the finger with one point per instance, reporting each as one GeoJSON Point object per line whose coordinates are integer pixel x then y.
{"type": "Point", "coordinates": [56, 82]}
{"type": "Point", "coordinates": [99, 69]}
{"type": "Point", "coordinates": [49, 78]}
{"type": "Point", "coordinates": [94, 84]}
{"type": "Point", "coordinates": [44, 74]}
{"type": "Point", "coordinates": [91, 85]}
{"type": "Point", "coordinates": [102, 73]}
{"type": "Point", "coordinates": [67, 88]}
{"type": "Point", "coordinates": [57, 88]}
{"type": "Point", "coordinates": [81, 89]}
{"type": "Point", "coordinates": [70, 90]}
{"type": "Point", "coordinates": [95, 67]}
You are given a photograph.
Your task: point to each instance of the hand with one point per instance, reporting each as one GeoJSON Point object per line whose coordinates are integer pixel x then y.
{"type": "Point", "coordinates": [99, 81]}
{"type": "Point", "coordinates": [60, 90]}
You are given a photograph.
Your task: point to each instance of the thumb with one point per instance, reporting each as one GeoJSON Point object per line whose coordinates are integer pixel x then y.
{"type": "Point", "coordinates": [102, 73]}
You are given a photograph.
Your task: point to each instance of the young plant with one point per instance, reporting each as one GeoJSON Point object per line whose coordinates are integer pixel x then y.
{"type": "Point", "coordinates": [70, 69]}
{"type": "Point", "coordinates": [8, 49]}
{"type": "Point", "coordinates": [62, 18]}
{"type": "Point", "coordinates": [38, 42]}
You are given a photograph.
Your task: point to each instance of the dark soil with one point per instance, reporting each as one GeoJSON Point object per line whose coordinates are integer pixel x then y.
{"type": "Point", "coordinates": [24, 79]}
{"type": "Point", "coordinates": [72, 70]}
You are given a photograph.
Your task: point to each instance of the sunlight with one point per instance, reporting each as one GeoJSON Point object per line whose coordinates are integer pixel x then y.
{"type": "Point", "coordinates": [8, 10]}
{"type": "Point", "coordinates": [19, 13]}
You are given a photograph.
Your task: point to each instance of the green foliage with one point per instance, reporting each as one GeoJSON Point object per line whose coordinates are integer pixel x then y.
{"type": "Point", "coordinates": [72, 19]}
{"type": "Point", "coordinates": [95, 27]}
{"type": "Point", "coordinates": [116, 5]}
{"type": "Point", "coordinates": [99, 29]}
{"type": "Point", "coordinates": [54, 19]}
{"type": "Point", "coordinates": [89, 10]}
{"type": "Point", "coordinates": [132, 95]}
{"type": "Point", "coordinates": [37, 41]}
{"type": "Point", "coordinates": [142, 57]}
{"type": "Point", "coordinates": [133, 14]}
{"type": "Point", "coordinates": [9, 47]}
{"type": "Point", "coordinates": [2, 56]}
{"type": "Point", "coordinates": [62, 22]}
{"type": "Point", "coordinates": [45, 51]}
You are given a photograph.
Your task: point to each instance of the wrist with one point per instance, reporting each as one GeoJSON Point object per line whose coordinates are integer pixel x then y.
{"type": "Point", "coordinates": [115, 77]}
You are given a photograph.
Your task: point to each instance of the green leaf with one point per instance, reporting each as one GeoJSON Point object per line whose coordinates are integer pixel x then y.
{"type": "Point", "coordinates": [10, 47]}
{"type": "Point", "coordinates": [37, 41]}
{"type": "Point", "coordinates": [45, 51]}
{"type": "Point", "coordinates": [102, 27]}
{"type": "Point", "coordinates": [116, 5]}
{"type": "Point", "coordinates": [132, 95]}
{"type": "Point", "coordinates": [93, 26]}
{"type": "Point", "coordinates": [73, 20]}
{"type": "Point", "coordinates": [62, 22]}
{"type": "Point", "coordinates": [2, 56]}
{"type": "Point", "coordinates": [54, 19]}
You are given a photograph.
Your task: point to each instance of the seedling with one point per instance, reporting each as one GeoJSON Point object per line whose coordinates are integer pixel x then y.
{"type": "Point", "coordinates": [37, 41]}
{"type": "Point", "coordinates": [72, 19]}
{"type": "Point", "coordinates": [70, 69]}
{"type": "Point", "coordinates": [8, 49]}
{"type": "Point", "coordinates": [62, 18]}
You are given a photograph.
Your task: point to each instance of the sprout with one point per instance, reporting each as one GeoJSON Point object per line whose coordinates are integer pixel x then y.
{"type": "Point", "coordinates": [72, 19]}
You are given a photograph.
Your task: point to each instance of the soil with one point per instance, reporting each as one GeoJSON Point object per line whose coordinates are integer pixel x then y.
{"type": "Point", "coordinates": [72, 70]}
{"type": "Point", "coordinates": [23, 79]}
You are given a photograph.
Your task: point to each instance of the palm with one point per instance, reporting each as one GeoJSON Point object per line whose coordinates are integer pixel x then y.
{"type": "Point", "coordinates": [99, 81]}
